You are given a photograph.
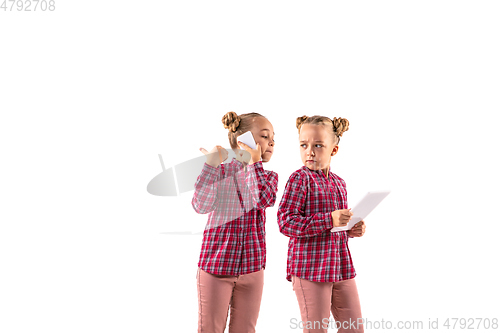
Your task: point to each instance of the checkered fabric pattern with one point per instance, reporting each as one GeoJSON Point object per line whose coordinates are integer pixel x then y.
{"type": "Point", "coordinates": [234, 241]}
{"type": "Point", "coordinates": [304, 214]}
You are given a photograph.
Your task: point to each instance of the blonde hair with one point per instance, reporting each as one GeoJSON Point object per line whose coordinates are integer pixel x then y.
{"type": "Point", "coordinates": [238, 125]}
{"type": "Point", "coordinates": [337, 125]}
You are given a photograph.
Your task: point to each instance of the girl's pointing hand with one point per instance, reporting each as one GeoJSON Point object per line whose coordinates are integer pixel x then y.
{"type": "Point", "coordinates": [216, 156]}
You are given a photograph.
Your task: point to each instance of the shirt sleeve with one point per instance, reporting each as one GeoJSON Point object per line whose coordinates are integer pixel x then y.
{"type": "Point", "coordinates": [345, 200]}
{"type": "Point", "coordinates": [205, 189]}
{"type": "Point", "coordinates": [291, 217]}
{"type": "Point", "coordinates": [262, 185]}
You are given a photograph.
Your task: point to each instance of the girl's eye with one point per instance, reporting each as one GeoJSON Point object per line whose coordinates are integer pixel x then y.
{"type": "Point", "coordinates": [319, 145]}
{"type": "Point", "coordinates": [265, 137]}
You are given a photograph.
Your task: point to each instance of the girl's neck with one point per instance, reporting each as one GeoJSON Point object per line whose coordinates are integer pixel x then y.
{"type": "Point", "coordinates": [238, 158]}
{"type": "Point", "coordinates": [326, 172]}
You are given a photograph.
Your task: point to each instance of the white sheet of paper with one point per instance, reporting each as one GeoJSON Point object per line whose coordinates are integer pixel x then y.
{"type": "Point", "coordinates": [363, 208]}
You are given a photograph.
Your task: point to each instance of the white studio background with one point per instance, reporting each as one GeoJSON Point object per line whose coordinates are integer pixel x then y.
{"type": "Point", "coordinates": [92, 92]}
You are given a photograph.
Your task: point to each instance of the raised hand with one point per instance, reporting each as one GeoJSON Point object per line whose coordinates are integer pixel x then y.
{"type": "Point", "coordinates": [213, 158]}
{"type": "Point", "coordinates": [255, 154]}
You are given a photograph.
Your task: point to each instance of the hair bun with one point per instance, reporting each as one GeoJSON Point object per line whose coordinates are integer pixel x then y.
{"type": "Point", "coordinates": [340, 125]}
{"type": "Point", "coordinates": [231, 121]}
{"type": "Point", "coordinates": [300, 121]}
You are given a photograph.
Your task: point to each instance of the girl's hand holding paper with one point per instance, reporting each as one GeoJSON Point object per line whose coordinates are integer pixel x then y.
{"type": "Point", "coordinates": [358, 230]}
{"type": "Point", "coordinates": [341, 217]}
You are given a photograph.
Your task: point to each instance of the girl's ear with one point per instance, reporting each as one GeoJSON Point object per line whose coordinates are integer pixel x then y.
{"type": "Point", "coordinates": [335, 150]}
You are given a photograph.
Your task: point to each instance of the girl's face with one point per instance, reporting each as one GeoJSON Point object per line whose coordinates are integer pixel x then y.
{"type": "Point", "coordinates": [263, 134]}
{"type": "Point", "coordinates": [316, 147]}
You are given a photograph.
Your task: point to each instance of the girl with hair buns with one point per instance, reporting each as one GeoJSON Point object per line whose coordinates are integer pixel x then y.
{"type": "Point", "coordinates": [314, 201]}
{"type": "Point", "coordinates": [233, 252]}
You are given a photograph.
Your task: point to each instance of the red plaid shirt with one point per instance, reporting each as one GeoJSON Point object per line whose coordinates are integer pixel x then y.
{"type": "Point", "coordinates": [314, 252]}
{"type": "Point", "coordinates": [234, 241]}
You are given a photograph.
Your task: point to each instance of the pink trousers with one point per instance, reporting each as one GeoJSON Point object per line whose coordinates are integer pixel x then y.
{"type": "Point", "coordinates": [316, 299]}
{"type": "Point", "coordinates": [219, 293]}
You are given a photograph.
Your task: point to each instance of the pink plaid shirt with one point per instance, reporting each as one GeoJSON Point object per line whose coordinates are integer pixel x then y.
{"type": "Point", "coordinates": [234, 241]}
{"type": "Point", "coordinates": [314, 252]}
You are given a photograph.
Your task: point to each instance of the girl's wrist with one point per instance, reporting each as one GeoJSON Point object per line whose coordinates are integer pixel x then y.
{"type": "Point", "coordinates": [212, 164]}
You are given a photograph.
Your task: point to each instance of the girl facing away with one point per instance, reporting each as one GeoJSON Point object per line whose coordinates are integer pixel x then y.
{"type": "Point", "coordinates": [233, 252]}
{"type": "Point", "coordinates": [314, 201]}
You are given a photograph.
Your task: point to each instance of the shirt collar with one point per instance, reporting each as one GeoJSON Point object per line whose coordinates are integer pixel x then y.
{"type": "Point", "coordinates": [238, 164]}
{"type": "Point", "coordinates": [320, 172]}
